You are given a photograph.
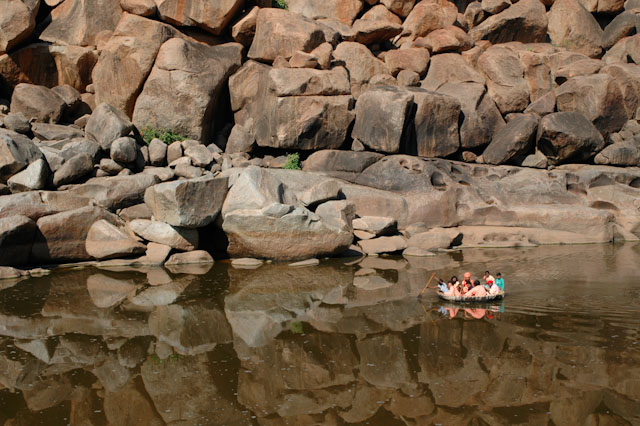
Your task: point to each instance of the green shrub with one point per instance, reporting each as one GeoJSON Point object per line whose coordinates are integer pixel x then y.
{"type": "Point", "coordinates": [296, 327]}
{"type": "Point", "coordinates": [166, 136]}
{"type": "Point", "coordinates": [281, 4]}
{"type": "Point", "coordinates": [293, 162]}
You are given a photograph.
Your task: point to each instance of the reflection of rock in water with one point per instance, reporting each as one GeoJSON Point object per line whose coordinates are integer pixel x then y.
{"type": "Point", "coordinates": [293, 346]}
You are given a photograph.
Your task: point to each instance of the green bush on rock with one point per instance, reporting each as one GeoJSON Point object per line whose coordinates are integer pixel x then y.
{"type": "Point", "coordinates": [166, 136]}
{"type": "Point", "coordinates": [293, 162]}
{"type": "Point", "coordinates": [281, 4]}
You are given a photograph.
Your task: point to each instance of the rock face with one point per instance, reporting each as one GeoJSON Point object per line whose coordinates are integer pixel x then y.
{"type": "Point", "coordinates": [62, 236]}
{"type": "Point", "coordinates": [130, 51]}
{"type": "Point", "coordinates": [78, 22]}
{"type": "Point", "coordinates": [16, 153]}
{"type": "Point", "coordinates": [565, 136]}
{"type": "Point", "coordinates": [190, 203]}
{"type": "Point", "coordinates": [269, 225]}
{"type": "Point", "coordinates": [360, 63]}
{"type": "Point", "coordinates": [282, 33]}
{"type": "Point", "coordinates": [211, 16]}
{"type": "Point", "coordinates": [16, 23]}
{"type": "Point", "coordinates": [37, 102]}
{"type": "Point", "coordinates": [190, 73]}
{"type": "Point", "coordinates": [505, 79]}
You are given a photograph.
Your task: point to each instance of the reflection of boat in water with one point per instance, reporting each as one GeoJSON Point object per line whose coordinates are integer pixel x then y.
{"type": "Point", "coordinates": [475, 299]}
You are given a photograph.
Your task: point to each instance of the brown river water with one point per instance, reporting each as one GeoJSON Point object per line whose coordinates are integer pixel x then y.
{"type": "Point", "coordinates": [344, 342]}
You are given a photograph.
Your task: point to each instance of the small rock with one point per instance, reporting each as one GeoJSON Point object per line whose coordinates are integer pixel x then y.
{"type": "Point", "coordinates": [157, 253]}
{"type": "Point", "coordinates": [246, 263]}
{"type": "Point", "coordinates": [107, 124]}
{"type": "Point", "coordinates": [193, 257]}
{"type": "Point", "coordinates": [303, 60]}
{"type": "Point", "coordinates": [34, 177]}
{"type": "Point", "coordinates": [124, 150]}
{"type": "Point", "coordinates": [188, 171]}
{"type": "Point", "coordinates": [199, 154]}
{"type": "Point", "coordinates": [174, 151]}
{"type": "Point", "coordinates": [73, 169]}
{"type": "Point", "coordinates": [383, 245]}
{"type": "Point", "coordinates": [17, 122]}
{"type": "Point", "coordinates": [163, 233]}
{"type": "Point", "coordinates": [408, 78]}
{"type": "Point", "coordinates": [303, 263]}
{"type": "Point", "coordinates": [378, 225]}
{"type": "Point", "coordinates": [157, 153]}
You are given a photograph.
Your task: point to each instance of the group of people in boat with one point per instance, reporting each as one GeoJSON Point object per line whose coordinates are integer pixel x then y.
{"type": "Point", "coordinates": [473, 288]}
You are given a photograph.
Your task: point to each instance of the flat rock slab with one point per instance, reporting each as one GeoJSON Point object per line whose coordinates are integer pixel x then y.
{"type": "Point", "coordinates": [163, 233]}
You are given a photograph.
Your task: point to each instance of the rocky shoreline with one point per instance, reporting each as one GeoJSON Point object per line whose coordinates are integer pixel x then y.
{"type": "Point", "coordinates": [422, 127]}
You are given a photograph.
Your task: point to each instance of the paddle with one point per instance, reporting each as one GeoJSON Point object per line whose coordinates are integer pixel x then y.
{"type": "Point", "coordinates": [427, 286]}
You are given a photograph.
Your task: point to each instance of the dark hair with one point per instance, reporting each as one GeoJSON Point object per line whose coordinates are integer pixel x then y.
{"type": "Point", "coordinates": [499, 274]}
{"type": "Point", "coordinates": [476, 282]}
{"type": "Point", "coordinates": [487, 272]}
{"type": "Point", "coordinates": [454, 279]}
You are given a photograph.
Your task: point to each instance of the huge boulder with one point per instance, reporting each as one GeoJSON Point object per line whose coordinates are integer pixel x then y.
{"type": "Point", "coordinates": [16, 238]}
{"type": "Point", "coordinates": [381, 114]}
{"type": "Point", "coordinates": [427, 16]}
{"type": "Point", "coordinates": [37, 102]}
{"type": "Point", "coordinates": [17, 21]}
{"type": "Point", "coordinates": [525, 21]}
{"type": "Point", "coordinates": [505, 79]}
{"type": "Point", "coordinates": [107, 124]}
{"type": "Point", "coordinates": [344, 11]}
{"type": "Point", "coordinates": [193, 75]}
{"type": "Point", "coordinates": [572, 26]}
{"type": "Point", "coordinates": [78, 22]}
{"type": "Point", "coordinates": [360, 63]}
{"type": "Point", "coordinates": [482, 119]}
{"type": "Point", "coordinates": [211, 16]}
{"type": "Point", "coordinates": [513, 142]}
{"type": "Point", "coordinates": [568, 136]}
{"type": "Point", "coordinates": [16, 153]}
{"type": "Point", "coordinates": [190, 203]}
{"type": "Point", "coordinates": [107, 241]}
{"type": "Point", "coordinates": [126, 60]}
{"type": "Point", "coordinates": [282, 33]}
{"type": "Point", "coordinates": [597, 97]}
{"type": "Point", "coordinates": [62, 236]}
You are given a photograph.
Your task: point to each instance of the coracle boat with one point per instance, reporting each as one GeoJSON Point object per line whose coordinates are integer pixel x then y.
{"type": "Point", "coordinates": [487, 298]}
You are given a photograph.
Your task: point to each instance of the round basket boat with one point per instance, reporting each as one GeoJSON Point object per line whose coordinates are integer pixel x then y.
{"type": "Point", "coordinates": [487, 298]}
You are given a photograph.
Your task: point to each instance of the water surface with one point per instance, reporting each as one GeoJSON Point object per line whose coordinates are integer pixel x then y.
{"type": "Point", "coordinates": [345, 342]}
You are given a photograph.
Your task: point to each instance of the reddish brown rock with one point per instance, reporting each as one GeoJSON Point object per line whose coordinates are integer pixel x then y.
{"type": "Point", "coordinates": [78, 22]}
{"type": "Point", "coordinates": [244, 30]}
{"type": "Point", "coordinates": [427, 16]}
{"type": "Point", "coordinates": [399, 7]}
{"type": "Point", "coordinates": [282, 33]}
{"type": "Point", "coordinates": [107, 241]}
{"type": "Point", "coordinates": [525, 21]}
{"type": "Point", "coordinates": [450, 68]}
{"type": "Point", "coordinates": [37, 102]}
{"type": "Point", "coordinates": [568, 136]}
{"type": "Point", "coordinates": [127, 59]}
{"type": "Point", "coordinates": [505, 79]}
{"type": "Point", "coordinates": [574, 28]}
{"type": "Point", "coordinates": [372, 32]}
{"type": "Point", "coordinates": [448, 39]}
{"type": "Point", "coordinates": [381, 13]}
{"type": "Point", "coordinates": [211, 16]}
{"type": "Point", "coordinates": [413, 59]}
{"type": "Point", "coordinates": [139, 7]}
{"type": "Point", "coordinates": [537, 73]}
{"type": "Point", "coordinates": [360, 63]}
{"type": "Point", "coordinates": [17, 21]}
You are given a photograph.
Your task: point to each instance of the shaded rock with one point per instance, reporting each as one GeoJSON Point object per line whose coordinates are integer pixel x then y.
{"type": "Point", "coordinates": [130, 51]}
{"type": "Point", "coordinates": [408, 78]}
{"type": "Point", "coordinates": [190, 73]}
{"type": "Point", "coordinates": [163, 233]}
{"type": "Point", "coordinates": [381, 114]}
{"type": "Point", "coordinates": [604, 6]}
{"type": "Point", "coordinates": [626, 50]}
{"type": "Point", "coordinates": [129, 404]}
{"type": "Point", "coordinates": [435, 123]}
{"type": "Point", "coordinates": [568, 136]}
{"type": "Point", "coordinates": [309, 82]}
{"type": "Point", "coordinates": [344, 11]}
{"type": "Point", "coordinates": [282, 33]}
{"type": "Point", "coordinates": [139, 7]}
{"type": "Point", "coordinates": [537, 161]}
{"type": "Point", "coordinates": [434, 239]}
{"type": "Point", "coordinates": [328, 160]}
{"type": "Point", "coordinates": [107, 124]}
{"type": "Point", "coordinates": [494, 6]}
{"type": "Point", "coordinates": [73, 169]}
{"type": "Point", "coordinates": [383, 245]}
{"type": "Point", "coordinates": [448, 39]}
{"type": "Point", "coordinates": [16, 239]}
{"type": "Point", "coordinates": [513, 142]}
{"type": "Point", "coordinates": [17, 122]}
{"type": "Point", "coordinates": [115, 192]}
{"type": "Point", "coordinates": [17, 22]}
{"type": "Point", "coordinates": [35, 176]}
{"type": "Point", "coordinates": [482, 119]}
{"type": "Point", "coordinates": [371, 32]}
{"type": "Point", "coordinates": [525, 21]}
{"type": "Point", "coordinates": [106, 241]}
{"type": "Point", "coordinates": [16, 152]}
{"type": "Point", "coordinates": [191, 203]}
{"type": "Point", "coordinates": [62, 236]}
{"type": "Point", "coordinates": [303, 60]}
{"type": "Point", "coordinates": [244, 30]}
{"type": "Point", "coordinates": [597, 97]}
{"type": "Point", "coordinates": [619, 154]}
{"type": "Point", "coordinates": [78, 23]}
{"type": "Point", "coordinates": [240, 140]}
{"type": "Point", "coordinates": [360, 63]}
{"type": "Point", "coordinates": [505, 79]}
{"type": "Point", "coordinates": [627, 77]}
{"type": "Point", "coordinates": [450, 68]}
{"type": "Point", "coordinates": [192, 257]}
{"type": "Point", "coordinates": [211, 17]}
{"type": "Point", "coordinates": [321, 192]}
{"type": "Point", "coordinates": [157, 152]}
{"type": "Point", "coordinates": [427, 16]}
{"type": "Point", "coordinates": [37, 102]}
{"type": "Point", "coordinates": [55, 132]}
{"type": "Point", "coordinates": [376, 225]}
{"type": "Point", "coordinates": [621, 26]}
{"type": "Point", "coordinates": [124, 150]}
{"type": "Point", "coordinates": [413, 59]}
{"type": "Point", "coordinates": [380, 13]}
{"type": "Point", "coordinates": [200, 155]}
{"type": "Point", "coordinates": [572, 26]}
{"type": "Point", "coordinates": [188, 171]}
